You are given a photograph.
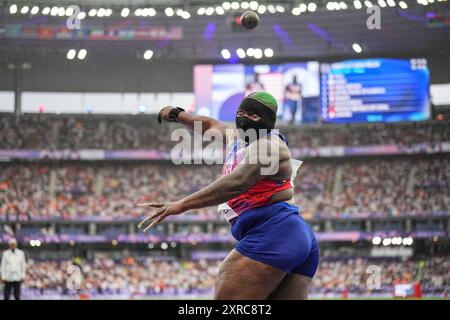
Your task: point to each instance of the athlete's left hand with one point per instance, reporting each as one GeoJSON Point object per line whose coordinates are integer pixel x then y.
{"type": "Point", "coordinates": [164, 210]}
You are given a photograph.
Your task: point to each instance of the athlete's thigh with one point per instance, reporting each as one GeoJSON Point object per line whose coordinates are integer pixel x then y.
{"type": "Point", "coordinates": [242, 278]}
{"type": "Point", "coordinates": [293, 287]}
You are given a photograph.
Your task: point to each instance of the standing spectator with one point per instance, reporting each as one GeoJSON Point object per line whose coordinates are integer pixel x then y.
{"type": "Point", "coordinates": [13, 268]}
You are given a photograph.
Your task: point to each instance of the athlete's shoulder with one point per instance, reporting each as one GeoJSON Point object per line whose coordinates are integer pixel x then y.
{"type": "Point", "coordinates": [277, 135]}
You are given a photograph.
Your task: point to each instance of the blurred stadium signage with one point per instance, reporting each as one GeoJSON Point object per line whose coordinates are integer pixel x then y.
{"type": "Point", "coordinates": [148, 154]}
{"type": "Point", "coordinates": [391, 252]}
{"type": "Point", "coordinates": [91, 33]}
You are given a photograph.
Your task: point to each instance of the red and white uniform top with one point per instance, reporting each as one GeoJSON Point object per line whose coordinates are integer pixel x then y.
{"type": "Point", "coordinates": [258, 195]}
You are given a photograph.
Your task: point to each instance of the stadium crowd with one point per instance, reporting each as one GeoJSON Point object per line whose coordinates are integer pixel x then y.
{"type": "Point", "coordinates": [42, 131]}
{"type": "Point", "coordinates": [323, 188]}
{"type": "Point", "coordinates": [354, 275]}
{"type": "Point", "coordinates": [377, 187]}
{"type": "Point", "coordinates": [147, 277]}
{"type": "Point", "coordinates": [106, 276]}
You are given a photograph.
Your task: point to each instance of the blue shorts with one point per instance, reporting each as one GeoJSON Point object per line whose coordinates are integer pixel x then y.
{"type": "Point", "coordinates": [278, 236]}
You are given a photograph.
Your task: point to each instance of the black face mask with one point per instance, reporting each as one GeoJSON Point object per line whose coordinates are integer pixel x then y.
{"type": "Point", "coordinates": [266, 123]}
{"type": "Point", "coordinates": [249, 130]}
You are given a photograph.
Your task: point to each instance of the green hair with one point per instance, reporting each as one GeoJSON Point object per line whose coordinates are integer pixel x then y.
{"type": "Point", "coordinates": [265, 98]}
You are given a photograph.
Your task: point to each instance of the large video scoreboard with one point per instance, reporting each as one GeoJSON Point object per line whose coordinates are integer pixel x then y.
{"type": "Point", "coordinates": [375, 90]}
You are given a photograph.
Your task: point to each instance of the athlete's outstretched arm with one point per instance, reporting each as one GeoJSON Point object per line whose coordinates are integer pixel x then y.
{"type": "Point", "coordinates": [220, 191]}
{"type": "Point", "coordinates": [244, 176]}
{"type": "Point", "coordinates": [189, 119]}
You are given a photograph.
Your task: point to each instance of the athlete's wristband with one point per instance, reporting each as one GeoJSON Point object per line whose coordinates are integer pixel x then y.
{"type": "Point", "coordinates": [173, 114]}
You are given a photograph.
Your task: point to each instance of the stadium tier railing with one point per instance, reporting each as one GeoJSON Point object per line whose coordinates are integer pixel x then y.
{"type": "Point", "coordinates": [150, 154]}
{"type": "Point", "coordinates": [334, 236]}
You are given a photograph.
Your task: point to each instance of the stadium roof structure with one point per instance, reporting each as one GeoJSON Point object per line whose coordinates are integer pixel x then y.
{"type": "Point", "coordinates": [291, 31]}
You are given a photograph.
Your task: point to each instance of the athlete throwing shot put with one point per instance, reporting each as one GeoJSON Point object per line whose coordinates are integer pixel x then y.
{"type": "Point", "coordinates": [277, 253]}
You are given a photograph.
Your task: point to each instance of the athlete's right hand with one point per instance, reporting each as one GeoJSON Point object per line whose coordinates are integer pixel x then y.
{"type": "Point", "coordinates": [164, 210]}
{"type": "Point", "coordinates": [164, 114]}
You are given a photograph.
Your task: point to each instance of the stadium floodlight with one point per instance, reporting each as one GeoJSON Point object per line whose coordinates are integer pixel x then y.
{"type": "Point", "coordinates": [101, 12]}
{"type": "Point", "coordinates": [164, 246]}
{"type": "Point", "coordinates": [262, 9]}
{"type": "Point", "coordinates": [71, 54]}
{"type": "Point", "coordinates": [61, 12]}
{"type": "Point", "coordinates": [403, 5]}
{"type": "Point", "coordinates": [271, 8]}
{"type": "Point", "coordinates": [357, 4]}
{"type": "Point", "coordinates": [382, 3]}
{"type": "Point", "coordinates": [240, 53]}
{"type": "Point", "coordinates": [138, 12]}
{"type": "Point", "coordinates": [179, 12]}
{"type": "Point", "coordinates": [125, 12]}
{"type": "Point", "coordinates": [34, 10]}
{"type": "Point", "coordinates": [152, 12]}
{"type": "Point", "coordinates": [220, 11]}
{"type": "Point", "coordinates": [391, 3]}
{"type": "Point", "coordinates": [186, 15]}
{"type": "Point", "coordinates": [148, 54]}
{"type": "Point", "coordinates": [408, 241]}
{"type": "Point", "coordinates": [13, 9]}
{"type": "Point", "coordinates": [268, 52]}
{"type": "Point", "coordinates": [54, 11]}
{"type": "Point", "coordinates": [357, 48]}
{"type": "Point", "coordinates": [32, 243]}
{"type": "Point", "coordinates": [209, 11]}
{"type": "Point", "coordinates": [69, 12]}
{"type": "Point", "coordinates": [108, 12]}
{"type": "Point", "coordinates": [387, 242]}
{"type": "Point", "coordinates": [258, 53]}
{"type": "Point", "coordinates": [376, 241]}
{"type": "Point", "coordinates": [37, 243]}
{"type": "Point", "coordinates": [330, 6]}
{"type": "Point", "coordinates": [169, 12]}
{"type": "Point", "coordinates": [201, 11]}
{"type": "Point", "coordinates": [81, 15]}
{"type": "Point", "coordinates": [312, 7]}
{"type": "Point", "coordinates": [343, 5]}
{"type": "Point", "coordinates": [226, 5]}
{"type": "Point", "coordinates": [245, 5]}
{"type": "Point", "coordinates": [368, 4]}
{"type": "Point", "coordinates": [279, 9]}
{"type": "Point", "coordinates": [253, 5]}
{"type": "Point", "coordinates": [303, 7]}
{"type": "Point", "coordinates": [92, 13]}
{"type": "Point", "coordinates": [24, 9]}
{"type": "Point", "coordinates": [46, 11]}
{"type": "Point", "coordinates": [250, 52]}
{"type": "Point", "coordinates": [82, 54]}
{"type": "Point", "coordinates": [235, 5]}
{"type": "Point", "coordinates": [225, 54]}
